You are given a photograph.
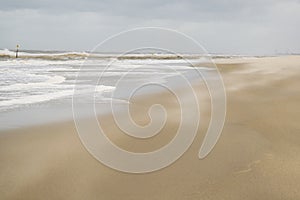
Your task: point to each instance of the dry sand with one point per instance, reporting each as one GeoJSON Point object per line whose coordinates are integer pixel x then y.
{"type": "Point", "coordinates": [257, 156]}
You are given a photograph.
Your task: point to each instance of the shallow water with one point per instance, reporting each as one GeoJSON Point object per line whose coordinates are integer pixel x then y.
{"type": "Point", "coordinates": [38, 86]}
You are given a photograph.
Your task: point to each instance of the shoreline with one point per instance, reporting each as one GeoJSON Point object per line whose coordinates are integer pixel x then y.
{"type": "Point", "coordinates": [35, 109]}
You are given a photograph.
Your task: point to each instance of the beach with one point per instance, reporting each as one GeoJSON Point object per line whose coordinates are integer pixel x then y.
{"type": "Point", "coordinates": [256, 157]}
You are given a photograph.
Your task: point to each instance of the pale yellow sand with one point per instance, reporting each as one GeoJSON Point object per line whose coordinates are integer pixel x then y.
{"type": "Point", "coordinates": [257, 156]}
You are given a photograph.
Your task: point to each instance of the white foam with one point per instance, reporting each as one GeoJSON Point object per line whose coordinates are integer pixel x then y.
{"type": "Point", "coordinates": [30, 99]}
{"type": "Point", "coordinates": [38, 62]}
{"type": "Point", "coordinates": [104, 88]}
{"type": "Point", "coordinates": [21, 86]}
{"type": "Point", "coordinates": [186, 62]}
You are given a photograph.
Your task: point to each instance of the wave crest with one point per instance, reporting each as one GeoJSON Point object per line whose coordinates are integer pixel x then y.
{"type": "Point", "coordinates": [8, 54]}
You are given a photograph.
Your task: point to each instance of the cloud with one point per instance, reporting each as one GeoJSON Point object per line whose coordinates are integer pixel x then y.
{"type": "Point", "coordinates": [222, 26]}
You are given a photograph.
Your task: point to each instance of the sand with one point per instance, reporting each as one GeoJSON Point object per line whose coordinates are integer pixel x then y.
{"type": "Point", "coordinates": [257, 156]}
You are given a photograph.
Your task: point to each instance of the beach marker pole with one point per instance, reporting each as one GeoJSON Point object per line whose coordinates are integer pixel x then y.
{"type": "Point", "coordinates": [17, 50]}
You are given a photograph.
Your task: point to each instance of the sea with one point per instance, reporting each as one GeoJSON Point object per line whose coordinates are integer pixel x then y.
{"type": "Point", "coordinates": [39, 86]}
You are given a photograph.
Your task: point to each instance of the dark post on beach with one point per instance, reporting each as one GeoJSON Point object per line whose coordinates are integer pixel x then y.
{"type": "Point", "coordinates": [17, 50]}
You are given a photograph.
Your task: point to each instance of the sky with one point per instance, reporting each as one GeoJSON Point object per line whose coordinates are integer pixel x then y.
{"type": "Point", "coordinates": [252, 27]}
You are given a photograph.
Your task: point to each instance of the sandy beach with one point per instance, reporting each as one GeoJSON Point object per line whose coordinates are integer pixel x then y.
{"type": "Point", "coordinates": [257, 156]}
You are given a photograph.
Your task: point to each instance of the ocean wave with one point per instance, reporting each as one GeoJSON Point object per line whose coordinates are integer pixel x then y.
{"type": "Point", "coordinates": [5, 53]}
{"type": "Point", "coordinates": [21, 86]}
{"type": "Point", "coordinates": [9, 54]}
{"type": "Point", "coordinates": [31, 99]}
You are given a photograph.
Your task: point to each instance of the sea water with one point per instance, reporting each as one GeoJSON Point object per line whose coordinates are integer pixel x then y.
{"type": "Point", "coordinates": [38, 86]}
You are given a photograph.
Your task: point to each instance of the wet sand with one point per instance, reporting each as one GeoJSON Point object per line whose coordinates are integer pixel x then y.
{"type": "Point", "coordinates": [257, 156]}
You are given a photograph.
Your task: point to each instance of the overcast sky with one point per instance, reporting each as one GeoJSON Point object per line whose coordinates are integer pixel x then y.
{"type": "Point", "coordinates": [221, 26]}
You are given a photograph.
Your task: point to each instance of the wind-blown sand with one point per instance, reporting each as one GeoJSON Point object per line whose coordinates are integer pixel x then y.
{"type": "Point", "coordinates": [257, 156]}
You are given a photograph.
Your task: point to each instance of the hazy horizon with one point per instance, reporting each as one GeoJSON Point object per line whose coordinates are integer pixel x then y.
{"type": "Point", "coordinates": [120, 52]}
{"type": "Point", "coordinates": [267, 27]}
